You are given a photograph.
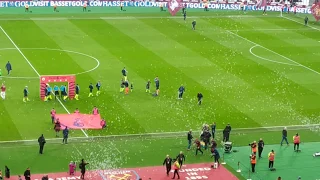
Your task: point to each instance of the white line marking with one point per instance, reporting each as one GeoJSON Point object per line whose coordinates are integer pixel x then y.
{"type": "Point", "coordinates": [302, 29]}
{"type": "Point", "coordinates": [266, 59]}
{"type": "Point", "coordinates": [15, 77]}
{"type": "Point", "coordinates": [275, 53]}
{"type": "Point", "coordinates": [35, 71]}
{"type": "Point", "coordinates": [181, 133]}
{"type": "Point", "coordinates": [301, 23]}
{"type": "Point", "coordinates": [69, 51]}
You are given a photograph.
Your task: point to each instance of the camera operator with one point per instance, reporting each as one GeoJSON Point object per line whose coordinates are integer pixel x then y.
{"type": "Point", "coordinates": [253, 162]}
{"type": "Point", "coordinates": [253, 147]}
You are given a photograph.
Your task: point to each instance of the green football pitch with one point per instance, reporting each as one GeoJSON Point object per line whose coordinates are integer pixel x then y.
{"type": "Point", "coordinates": [258, 73]}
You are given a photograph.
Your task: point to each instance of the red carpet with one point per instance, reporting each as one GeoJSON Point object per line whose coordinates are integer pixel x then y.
{"type": "Point", "coordinates": [188, 172]}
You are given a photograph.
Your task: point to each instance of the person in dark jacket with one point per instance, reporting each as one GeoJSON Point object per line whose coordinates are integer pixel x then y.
{"type": "Point", "coordinates": [65, 135]}
{"type": "Point", "coordinates": [6, 172]}
{"type": "Point", "coordinates": [181, 158]}
{"type": "Point", "coordinates": [27, 174]}
{"type": "Point", "coordinates": [260, 147]}
{"type": "Point", "coordinates": [190, 137]}
{"type": "Point", "coordinates": [216, 156]}
{"type": "Point", "coordinates": [213, 129]}
{"type": "Point", "coordinates": [82, 167]}
{"type": "Point", "coordinates": [42, 142]}
{"type": "Point", "coordinates": [206, 139]}
{"type": "Point", "coordinates": [284, 136]}
{"type": "Point", "coordinates": [8, 67]}
{"type": "Point", "coordinates": [167, 161]}
{"type": "Point", "coordinates": [226, 133]}
{"type": "Point", "coordinates": [45, 177]}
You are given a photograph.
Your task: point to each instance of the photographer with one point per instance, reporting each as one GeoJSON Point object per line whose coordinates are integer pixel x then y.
{"type": "Point", "coordinates": [253, 147]}
{"type": "Point", "coordinates": [253, 162]}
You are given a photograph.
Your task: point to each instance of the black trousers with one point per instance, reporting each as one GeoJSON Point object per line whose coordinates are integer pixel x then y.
{"type": "Point", "coordinates": [226, 137]}
{"type": "Point", "coordinates": [270, 164]}
{"type": "Point", "coordinates": [296, 145]}
{"type": "Point", "coordinates": [65, 140]}
{"type": "Point", "coordinates": [41, 149]}
{"type": "Point", "coordinates": [260, 149]}
{"type": "Point", "coordinates": [199, 149]}
{"type": "Point", "coordinates": [168, 169]}
{"type": "Point", "coordinates": [180, 94]}
{"type": "Point", "coordinates": [176, 172]}
{"type": "Point", "coordinates": [253, 167]}
{"type": "Point", "coordinates": [83, 172]}
{"type": "Point", "coordinates": [180, 162]}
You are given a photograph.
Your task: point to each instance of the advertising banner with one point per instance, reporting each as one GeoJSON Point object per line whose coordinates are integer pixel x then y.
{"type": "Point", "coordinates": [171, 4]}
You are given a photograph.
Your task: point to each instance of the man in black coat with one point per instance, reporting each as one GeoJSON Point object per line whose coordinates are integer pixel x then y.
{"type": "Point", "coordinates": [42, 142]}
{"type": "Point", "coordinates": [226, 133]}
{"type": "Point", "coordinates": [27, 174]}
{"type": "Point", "coordinates": [260, 147]}
{"type": "Point", "coordinates": [8, 67]}
{"type": "Point", "coordinates": [82, 167]}
{"type": "Point", "coordinates": [167, 161]}
{"type": "Point", "coordinates": [65, 135]}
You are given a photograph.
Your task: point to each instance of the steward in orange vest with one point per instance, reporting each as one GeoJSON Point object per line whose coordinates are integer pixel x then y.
{"type": "Point", "coordinates": [253, 161]}
{"type": "Point", "coordinates": [271, 159]}
{"type": "Point", "coordinates": [296, 142]}
{"type": "Point", "coordinates": [254, 147]}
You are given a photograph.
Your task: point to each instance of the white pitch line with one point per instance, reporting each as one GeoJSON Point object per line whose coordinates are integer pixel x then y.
{"type": "Point", "coordinates": [266, 59]}
{"type": "Point", "coordinates": [302, 29]}
{"type": "Point", "coordinates": [174, 134]}
{"type": "Point", "coordinates": [15, 77]}
{"type": "Point", "coordinates": [275, 53]}
{"type": "Point", "coordinates": [301, 23]}
{"type": "Point", "coordinates": [34, 69]}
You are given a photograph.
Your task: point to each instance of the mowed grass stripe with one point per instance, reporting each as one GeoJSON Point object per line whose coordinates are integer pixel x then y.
{"type": "Point", "coordinates": [301, 41]}
{"type": "Point", "coordinates": [203, 74]}
{"type": "Point", "coordinates": [259, 105]}
{"type": "Point", "coordinates": [282, 46]}
{"type": "Point", "coordinates": [146, 63]}
{"type": "Point", "coordinates": [294, 97]}
{"type": "Point", "coordinates": [74, 39]}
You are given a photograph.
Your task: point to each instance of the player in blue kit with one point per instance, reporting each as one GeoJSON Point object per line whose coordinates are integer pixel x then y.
{"type": "Point", "coordinates": [181, 91]}
{"type": "Point", "coordinates": [56, 91]}
{"type": "Point", "coordinates": [90, 90]}
{"type": "Point", "coordinates": [124, 74]}
{"type": "Point", "coordinates": [77, 92]}
{"type": "Point", "coordinates": [98, 86]}
{"type": "Point", "coordinates": [148, 86]}
{"type": "Point", "coordinates": [194, 23]}
{"type": "Point", "coordinates": [25, 94]}
{"type": "Point", "coordinates": [48, 93]}
{"type": "Point", "coordinates": [157, 82]}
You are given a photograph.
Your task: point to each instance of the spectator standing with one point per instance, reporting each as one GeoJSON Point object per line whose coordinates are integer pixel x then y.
{"type": "Point", "coordinates": [284, 136]}
{"type": "Point", "coordinates": [65, 135]}
{"type": "Point", "coordinates": [27, 174]}
{"type": "Point", "coordinates": [260, 147]}
{"type": "Point", "coordinates": [42, 142]}
{"type": "Point", "coordinates": [190, 137]}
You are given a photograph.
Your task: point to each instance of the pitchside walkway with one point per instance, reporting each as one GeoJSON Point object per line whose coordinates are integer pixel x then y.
{"type": "Point", "coordinates": [289, 164]}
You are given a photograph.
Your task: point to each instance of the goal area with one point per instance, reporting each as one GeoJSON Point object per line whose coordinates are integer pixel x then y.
{"type": "Point", "coordinates": [68, 80]}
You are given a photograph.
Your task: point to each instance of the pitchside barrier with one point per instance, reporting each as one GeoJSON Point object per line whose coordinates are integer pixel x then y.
{"type": "Point", "coordinates": [168, 135]}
